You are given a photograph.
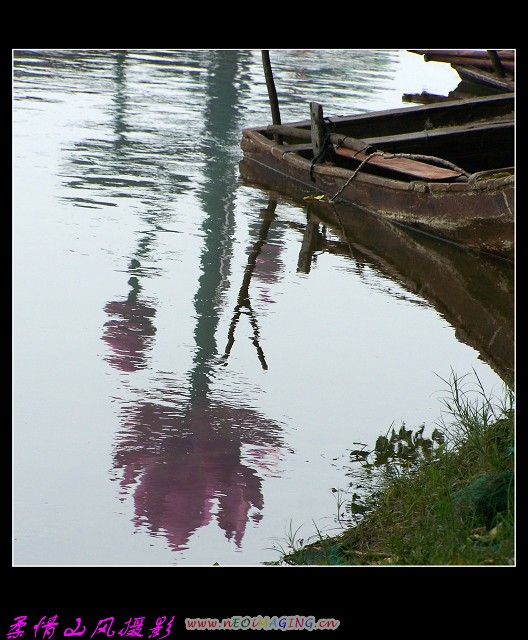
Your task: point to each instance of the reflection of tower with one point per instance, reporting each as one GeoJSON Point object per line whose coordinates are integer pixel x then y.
{"type": "Point", "coordinates": [120, 100]}
{"type": "Point", "coordinates": [192, 458]}
{"type": "Point", "coordinates": [221, 175]}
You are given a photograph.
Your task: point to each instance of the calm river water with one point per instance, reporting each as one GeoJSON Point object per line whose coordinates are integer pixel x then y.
{"type": "Point", "coordinates": [159, 419]}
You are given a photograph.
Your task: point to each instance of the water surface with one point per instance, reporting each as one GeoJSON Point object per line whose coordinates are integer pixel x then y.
{"type": "Point", "coordinates": [194, 356]}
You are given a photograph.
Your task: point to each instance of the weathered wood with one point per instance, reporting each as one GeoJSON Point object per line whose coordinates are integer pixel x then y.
{"type": "Point", "coordinates": [360, 149]}
{"type": "Point", "coordinates": [406, 166]}
{"type": "Point", "coordinates": [305, 134]}
{"type": "Point", "coordinates": [481, 63]}
{"type": "Point", "coordinates": [503, 126]}
{"type": "Point", "coordinates": [502, 123]}
{"type": "Point", "coordinates": [425, 97]}
{"type": "Point", "coordinates": [272, 92]}
{"type": "Point", "coordinates": [419, 118]}
{"type": "Point", "coordinates": [490, 60]}
{"type": "Point", "coordinates": [289, 131]}
{"type": "Point", "coordinates": [487, 78]}
{"type": "Point", "coordinates": [480, 214]}
{"type": "Point", "coordinates": [317, 130]}
{"type": "Point", "coordinates": [496, 62]}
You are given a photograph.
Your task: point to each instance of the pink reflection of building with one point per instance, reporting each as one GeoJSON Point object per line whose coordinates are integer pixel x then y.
{"type": "Point", "coordinates": [269, 264]}
{"type": "Point", "coordinates": [189, 468]}
{"type": "Point", "coordinates": [128, 334]}
{"type": "Point", "coordinates": [268, 269]}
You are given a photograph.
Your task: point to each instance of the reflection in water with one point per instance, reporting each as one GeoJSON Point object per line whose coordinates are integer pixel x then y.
{"type": "Point", "coordinates": [268, 272]}
{"type": "Point", "coordinates": [147, 145]}
{"type": "Point", "coordinates": [191, 459]}
{"type": "Point", "coordinates": [473, 292]}
{"type": "Point", "coordinates": [345, 80]}
{"type": "Point", "coordinates": [313, 240]}
{"type": "Point", "coordinates": [142, 160]}
{"type": "Point", "coordinates": [129, 333]}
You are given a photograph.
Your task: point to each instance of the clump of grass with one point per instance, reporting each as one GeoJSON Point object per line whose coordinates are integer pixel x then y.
{"type": "Point", "coordinates": [317, 549]}
{"type": "Point", "coordinates": [443, 500]}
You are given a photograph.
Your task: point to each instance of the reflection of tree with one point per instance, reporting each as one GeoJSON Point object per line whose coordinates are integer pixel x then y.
{"type": "Point", "coordinates": [129, 332]}
{"type": "Point", "coordinates": [138, 160]}
{"type": "Point", "coordinates": [188, 464]}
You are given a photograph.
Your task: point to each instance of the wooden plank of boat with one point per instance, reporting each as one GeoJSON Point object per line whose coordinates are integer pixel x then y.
{"type": "Point", "coordinates": [360, 150]}
{"type": "Point", "coordinates": [493, 68]}
{"type": "Point", "coordinates": [502, 125]}
{"type": "Point", "coordinates": [487, 78]}
{"type": "Point", "coordinates": [415, 120]}
{"type": "Point", "coordinates": [480, 63]}
{"type": "Point", "coordinates": [406, 166]}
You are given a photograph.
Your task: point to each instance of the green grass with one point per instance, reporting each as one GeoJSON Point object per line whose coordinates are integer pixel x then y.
{"type": "Point", "coordinates": [444, 500]}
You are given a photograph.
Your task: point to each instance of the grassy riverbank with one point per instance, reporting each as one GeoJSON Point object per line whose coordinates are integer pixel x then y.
{"type": "Point", "coordinates": [443, 500]}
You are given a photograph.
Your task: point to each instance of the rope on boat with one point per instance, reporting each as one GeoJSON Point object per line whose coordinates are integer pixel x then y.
{"type": "Point", "coordinates": [440, 161]}
{"type": "Point", "coordinates": [325, 147]}
{"type": "Point", "coordinates": [409, 156]}
{"type": "Point", "coordinates": [376, 153]}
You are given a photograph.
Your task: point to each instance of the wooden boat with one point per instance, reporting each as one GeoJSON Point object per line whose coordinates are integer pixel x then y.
{"type": "Point", "coordinates": [494, 69]}
{"type": "Point", "coordinates": [446, 169]}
